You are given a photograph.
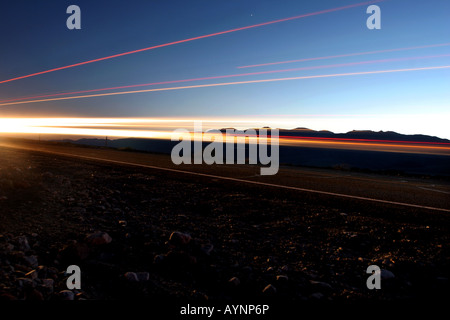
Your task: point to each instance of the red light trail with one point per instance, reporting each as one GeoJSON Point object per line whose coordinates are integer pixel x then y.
{"type": "Point", "coordinates": [230, 76]}
{"type": "Point", "coordinates": [363, 140]}
{"type": "Point", "coordinates": [194, 38]}
{"type": "Point", "coordinates": [230, 83]}
{"type": "Point", "coordinates": [346, 55]}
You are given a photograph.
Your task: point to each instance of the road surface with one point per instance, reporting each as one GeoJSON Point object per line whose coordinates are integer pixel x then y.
{"type": "Point", "coordinates": [403, 191]}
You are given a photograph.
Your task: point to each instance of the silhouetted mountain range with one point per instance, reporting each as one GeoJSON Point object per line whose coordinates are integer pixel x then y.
{"type": "Point", "coordinates": [165, 146]}
{"type": "Point", "coordinates": [364, 134]}
{"type": "Point", "coordinates": [155, 145]}
{"type": "Point", "coordinates": [321, 157]}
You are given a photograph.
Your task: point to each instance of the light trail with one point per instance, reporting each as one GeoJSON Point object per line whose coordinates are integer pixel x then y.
{"type": "Point", "coordinates": [364, 140]}
{"type": "Point", "coordinates": [346, 55]}
{"type": "Point", "coordinates": [239, 180]}
{"type": "Point", "coordinates": [387, 146]}
{"type": "Point", "coordinates": [164, 129]}
{"type": "Point", "coordinates": [194, 38]}
{"type": "Point", "coordinates": [227, 84]}
{"type": "Point", "coordinates": [74, 127]}
{"type": "Point", "coordinates": [232, 76]}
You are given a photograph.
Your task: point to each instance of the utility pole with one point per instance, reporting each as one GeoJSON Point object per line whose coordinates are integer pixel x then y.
{"type": "Point", "coordinates": [106, 142]}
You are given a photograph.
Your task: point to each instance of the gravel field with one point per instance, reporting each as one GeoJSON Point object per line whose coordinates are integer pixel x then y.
{"type": "Point", "coordinates": [146, 234]}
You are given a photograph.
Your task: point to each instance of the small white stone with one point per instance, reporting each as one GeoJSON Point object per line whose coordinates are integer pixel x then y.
{"type": "Point", "coordinates": [269, 289]}
{"type": "Point", "coordinates": [66, 295]}
{"type": "Point", "coordinates": [131, 276]}
{"type": "Point", "coordinates": [143, 276]}
{"type": "Point", "coordinates": [234, 281]}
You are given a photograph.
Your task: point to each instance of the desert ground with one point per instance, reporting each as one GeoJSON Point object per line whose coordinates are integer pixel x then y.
{"type": "Point", "coordinates": [141, 233]}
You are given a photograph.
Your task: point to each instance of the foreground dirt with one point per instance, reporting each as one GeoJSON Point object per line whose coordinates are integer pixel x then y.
{"type": "Point", "coordinates": [234, 241]}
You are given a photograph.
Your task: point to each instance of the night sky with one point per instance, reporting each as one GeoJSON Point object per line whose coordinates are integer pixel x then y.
{"type": "Point", "coordinates": [34, 38]}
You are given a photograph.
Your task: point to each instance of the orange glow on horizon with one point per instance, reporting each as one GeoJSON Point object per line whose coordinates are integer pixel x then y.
{"type": "Point", "coordinates": [163, 128]}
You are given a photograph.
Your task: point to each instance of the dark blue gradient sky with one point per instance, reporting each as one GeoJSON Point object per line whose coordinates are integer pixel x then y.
{"type": "Point", "coordinates": [34, 38]}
